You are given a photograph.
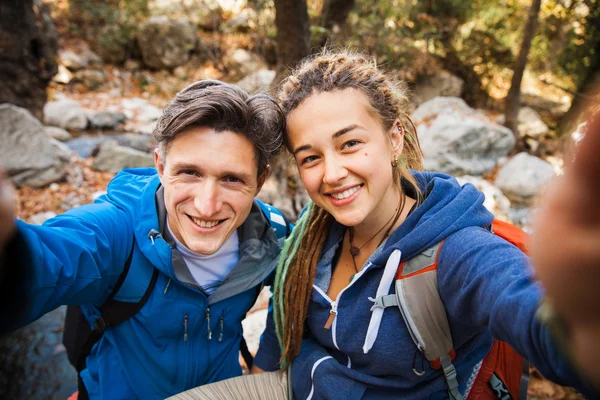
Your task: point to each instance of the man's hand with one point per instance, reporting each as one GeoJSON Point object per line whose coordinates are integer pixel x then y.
{"type": "Point", "coordinates": [7, 211]}
{"type": "Point", "coordinates": [565, 248]}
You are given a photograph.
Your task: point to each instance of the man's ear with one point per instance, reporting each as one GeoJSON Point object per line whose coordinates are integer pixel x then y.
{"type": "Point", "coordinates": [262, 178]}
{"type": "Point", "coordinates": [160, 166]}
{"type": "Point", "coordinates": [397, 137]}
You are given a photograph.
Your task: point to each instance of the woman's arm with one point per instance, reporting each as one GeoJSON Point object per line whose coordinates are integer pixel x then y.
{"type": "Point", "coordinates": [565, 248]}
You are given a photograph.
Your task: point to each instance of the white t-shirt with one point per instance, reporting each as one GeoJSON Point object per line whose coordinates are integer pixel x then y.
{"type": "Point", "coordinates": [209, 270]}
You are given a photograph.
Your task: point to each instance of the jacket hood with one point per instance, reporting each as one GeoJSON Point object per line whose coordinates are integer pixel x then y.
{"type": "Point", "coordinates": [448, 207]}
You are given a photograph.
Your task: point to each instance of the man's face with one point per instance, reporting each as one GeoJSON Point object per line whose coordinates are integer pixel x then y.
{"type": "Point", "coordinates": [210, 180]}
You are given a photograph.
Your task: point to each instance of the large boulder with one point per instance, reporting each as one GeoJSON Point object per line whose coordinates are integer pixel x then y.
{"type": "Point", "coordinates": [529, 123]}
{"type": "Point", "coordinates": [107, 120]}
{"type": "Point", "coordinates": [166, 43]}
{"type": "Point", "coordinates": [442, 83]}
{"type": "Point", "coordinates": [28, 154]}
{"type": "Point", "coordinates": [523, 177]}
{"type": "Point", "coordinates": [257, 81]}
{"type": "Point", "coordinates": [112, 158]}
{"type": "Point", "coordinates": [65, 113]}
{"type": "Point", "coordinates": [57, 133]}
{"type": "Point", "coordinates": [457, 139]}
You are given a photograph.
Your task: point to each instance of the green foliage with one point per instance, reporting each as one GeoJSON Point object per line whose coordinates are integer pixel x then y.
{"type": "Point", "coordinates": [108, 24]}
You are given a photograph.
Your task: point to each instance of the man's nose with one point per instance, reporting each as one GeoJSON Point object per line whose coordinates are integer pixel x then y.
{"type": "Point", "coordinates": [208, 199]}
{"type": "Point", "coordinates": [334, 170]}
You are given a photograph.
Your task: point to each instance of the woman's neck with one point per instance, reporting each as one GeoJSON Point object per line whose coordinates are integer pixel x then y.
{"type": "Point", "coordinates": [385, 222]}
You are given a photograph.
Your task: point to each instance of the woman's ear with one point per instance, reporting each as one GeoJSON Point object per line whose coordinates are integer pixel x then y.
{"type": "Point", "coordinates": [397, 137]}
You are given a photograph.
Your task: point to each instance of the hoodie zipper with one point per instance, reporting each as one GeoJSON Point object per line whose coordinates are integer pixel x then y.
{"type": "Point", "coordinates": [333, 313]}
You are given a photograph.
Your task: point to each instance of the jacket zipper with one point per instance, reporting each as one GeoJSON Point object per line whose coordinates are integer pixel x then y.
{"type": "Point", "coordinates": [333, 313]}
{"type": "Point", "coordinates": [221, 323]}
{"type": "Point", "coordinates": [209, 334]}
{"type": "Point", "coordinates": [185, 328]}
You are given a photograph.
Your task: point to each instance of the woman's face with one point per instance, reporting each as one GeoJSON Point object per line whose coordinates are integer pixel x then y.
{"type": "Point", "coordinates": [344, 156]}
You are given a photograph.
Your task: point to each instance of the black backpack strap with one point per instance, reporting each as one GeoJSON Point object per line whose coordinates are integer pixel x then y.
{"type": "Point", "coordinates": [114, 312]}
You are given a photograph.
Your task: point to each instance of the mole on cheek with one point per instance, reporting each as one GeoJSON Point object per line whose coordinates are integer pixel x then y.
{"type": "Point", "coordinates": [366, 154]}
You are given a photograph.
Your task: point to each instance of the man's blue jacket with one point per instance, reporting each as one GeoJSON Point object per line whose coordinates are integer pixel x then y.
{"type": "Point", "coordinates": [181, 338]}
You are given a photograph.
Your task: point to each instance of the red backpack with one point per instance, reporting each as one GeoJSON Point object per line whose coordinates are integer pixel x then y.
{"type": "Point", "coordinates": [502, 374]}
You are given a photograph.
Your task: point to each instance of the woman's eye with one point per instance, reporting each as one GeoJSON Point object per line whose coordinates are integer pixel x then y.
{"type": "Point", "coordinates": [350, 143]}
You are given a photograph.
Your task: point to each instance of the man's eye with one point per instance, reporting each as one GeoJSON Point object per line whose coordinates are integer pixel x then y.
{"type": "Point", "coordinates": [188, 172]}
{"type": "Point", "coordinates": [308, 160]}
{"type": "Point", "coordinates": [232, 179]}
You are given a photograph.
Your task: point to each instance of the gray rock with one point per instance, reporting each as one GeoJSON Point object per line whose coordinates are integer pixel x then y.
{"type": "Point", "coordinates": [244, 62]}
{"type": "Point", "coordinates": [91, 78]}
{"type": "Point", "coordinates": [40, 218]}
{"type": "Point", "coordinates": [141, 142]}
{"type": "Point", "coordinates": [210, 15]}
{"type": "Point", "coordinates": [63, 76]}
{"type": "Point", "coordinates": [257, 81]}
{"type": "Point", "coordinates": [457, 139]}
{"type": "Point", "coordinates": [166, 43]}
{"type": "Point", "coordinates": [529, 123]}
{"type": "Point", "coordinates": [65, 113]}
{"type": "Point", "coordinates": [85, 147]}
{"type": "Point", "coordinates": [141, 110]}
{"type": "Point", "coordinates": [28, 154]}
{"type": "Point", "coordinates": [495, 201]}
{"type": "Point", "coordinates": [243, 21]}
{"type": "Point", "coordinates": [441, 83]}
{"type": "Point", "coordinates": [523, 177]}
{"type": "Point", "coordinates": [107, 120]}
{"type": "Point", "coordinates": [71, 60]}
{"type": "Point", "coordinates": [57, 133]}
{"type": "Point", "coordinates": [113, 158]}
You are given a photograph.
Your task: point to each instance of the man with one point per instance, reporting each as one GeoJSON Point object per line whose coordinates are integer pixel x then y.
{"type": "Point", "coordinates": [189, 230]}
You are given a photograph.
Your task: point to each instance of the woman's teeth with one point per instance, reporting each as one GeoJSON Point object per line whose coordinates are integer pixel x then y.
{"type": "Point", "coordinates": [345, 194]}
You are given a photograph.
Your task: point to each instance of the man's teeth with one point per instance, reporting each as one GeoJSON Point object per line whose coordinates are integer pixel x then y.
{"type": "Point", "coordinates": [204, 224]}
{"type": "Point", "coordinates": [345, 194]}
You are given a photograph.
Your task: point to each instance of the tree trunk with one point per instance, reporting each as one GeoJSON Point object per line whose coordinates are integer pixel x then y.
{"type": "Point", "coordinates": [293, 35]}
{"type": "Point", "coordinates": [513, 99]}
{"type": "Point", "coordinates": [27, 49]}
{"type": "Point", "coordinates": [335, 12]}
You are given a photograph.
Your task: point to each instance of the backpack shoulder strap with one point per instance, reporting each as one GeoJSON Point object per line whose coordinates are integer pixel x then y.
{"type": "Point", "coordinates": [279, 223]}
{"type": "Point", "coordinates": [419, 300]}
{"type": "Point", "coordinates": [115, 310]}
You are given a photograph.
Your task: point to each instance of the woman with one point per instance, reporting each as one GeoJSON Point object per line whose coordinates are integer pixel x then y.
{"type": "Point", "coordinates": [358, 160]}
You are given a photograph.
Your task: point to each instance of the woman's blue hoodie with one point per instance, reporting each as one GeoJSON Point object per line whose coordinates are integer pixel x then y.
{"type": "Point", "coordinates": [485, 283]}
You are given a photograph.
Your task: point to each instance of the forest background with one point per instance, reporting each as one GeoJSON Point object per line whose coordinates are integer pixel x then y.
{"type": "Point", "coordinates": [498, 56]}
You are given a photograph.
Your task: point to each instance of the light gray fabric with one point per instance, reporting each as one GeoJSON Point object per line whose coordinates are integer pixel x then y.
{"type": "Point", "coordinates": [424, 312]}
{"type": "Point", "coordinates": [265, 386]}
{"type": "Point", "coordinates": [421, 261]}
